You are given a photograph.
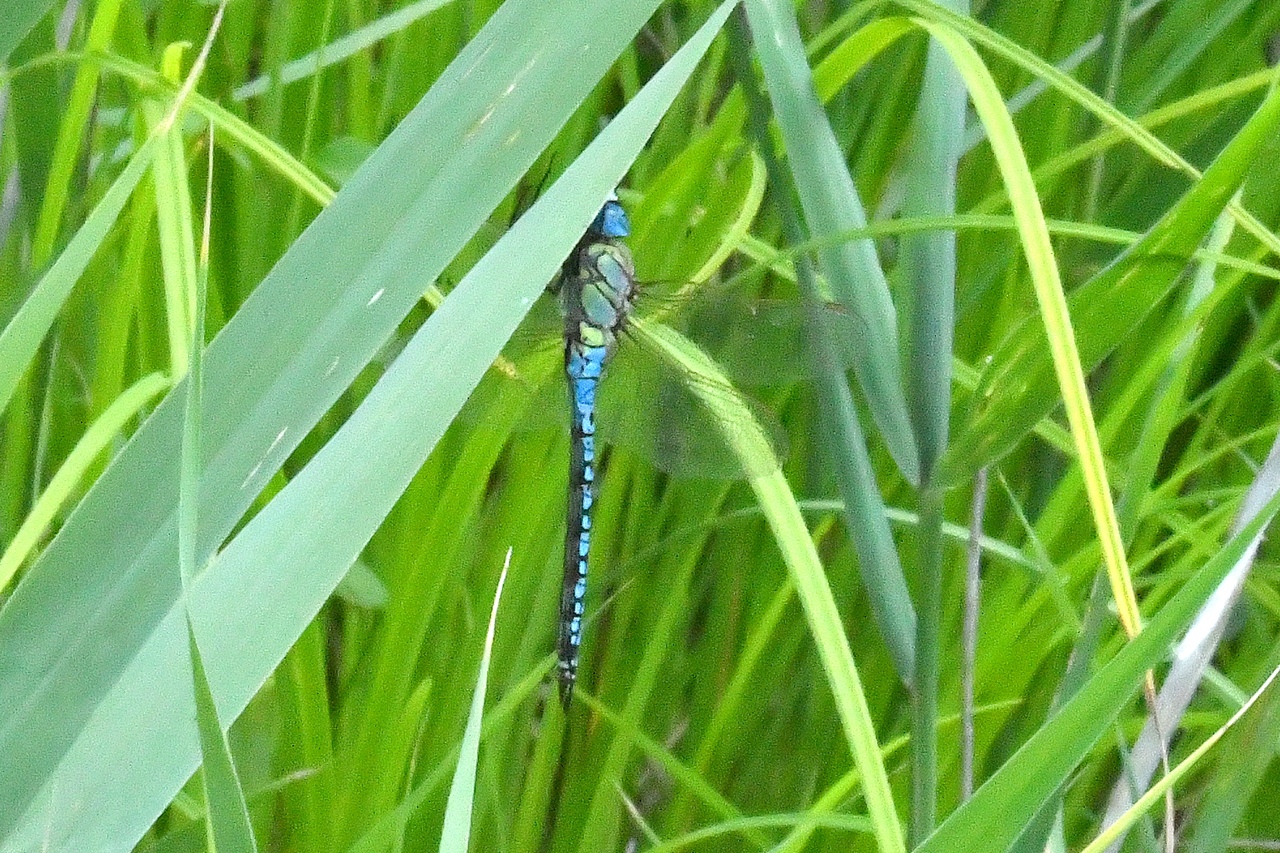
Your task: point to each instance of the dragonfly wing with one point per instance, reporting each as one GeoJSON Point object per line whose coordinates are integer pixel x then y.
{"type": "Point", "coordinates": [679, 411]}
{"type": "Point", "coordinates": [527, 378]}
{"type": "Point", "coordinates": [759, 342]}
{"type": "Point", "coordinates": [762, 342]}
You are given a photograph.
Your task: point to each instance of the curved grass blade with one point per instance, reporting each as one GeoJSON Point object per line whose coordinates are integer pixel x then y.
{"type": "Point", "coordinates": [792, 535]}
{"type": "Point", "coordinates": [1112, 834]}
{"type": "Point", "coordinates": [1195, 652]}
{"type": "Point", "coordinates": [72, 134]}
{"type": "Point", "coordinates": [1238, 774]}
{"type": "Point", "coordinates": [1058, 332]}
{"type": "Point", "coordinates": [294, 346]}
{"type": "Point", "coordinates": [55, 495]}
{"type": "Point", "coordinates": [174, 226]}
{"type": "Point", "coordinates": [234, 129]}
{"type": "Point", "coordinates": [1107, 307]}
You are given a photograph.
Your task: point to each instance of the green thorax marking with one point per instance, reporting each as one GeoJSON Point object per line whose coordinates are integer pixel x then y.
{"type": "Point", "coordinates": [597, 300]}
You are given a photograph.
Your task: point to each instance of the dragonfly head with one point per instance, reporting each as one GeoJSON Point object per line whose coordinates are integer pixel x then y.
{"type": "Point", "coordinates": [612, 220]}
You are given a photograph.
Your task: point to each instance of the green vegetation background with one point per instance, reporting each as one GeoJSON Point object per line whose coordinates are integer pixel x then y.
{"type": "Point", "coordinates": [718, 705]}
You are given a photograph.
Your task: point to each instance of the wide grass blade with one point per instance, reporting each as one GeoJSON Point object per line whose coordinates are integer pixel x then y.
{"type": "Point", "coordinates": [831, 205]}
{"type": "Point", "coordinates": [18, 19]}
{"type": "Point", "coordinates": [928, 258]}
{"type": "Point", "coordinates": [269, 376]}
{"type": "Point", "coordinates": [275, 368]}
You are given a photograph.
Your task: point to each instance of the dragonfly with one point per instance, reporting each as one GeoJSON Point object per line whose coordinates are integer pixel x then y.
{"type": "Point", "coordinates": [597, 291]}
{"type": "Point", "coordinates": [681, 413]}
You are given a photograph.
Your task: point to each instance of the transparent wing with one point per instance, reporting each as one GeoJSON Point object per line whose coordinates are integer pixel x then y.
{"type": "Point", "coordinates": [763, 342]}
{"type": "Point", "coordinates": [524, 389]}
{"type": "Point", "coordinates": [665, 399]}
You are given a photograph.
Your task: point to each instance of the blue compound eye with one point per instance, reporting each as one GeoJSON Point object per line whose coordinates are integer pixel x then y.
{"type": "Point", "coordinates": [612, 220]}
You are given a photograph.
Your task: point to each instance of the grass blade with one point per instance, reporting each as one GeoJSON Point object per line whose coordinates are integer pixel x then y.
{"type": "Point", "coordinates": [1060, 336]}
{"type": "Point", "coordinates": [928, 262]}
{"type": "Point", "coordinates": [93, 442]}
{"type": "Point", "coordinates": [792, 535]}
{"type": "Point", "coordinates": [831, 205]}
{"type": "Point", "coordinates": [358, 269]}
{"type": "Point", "coordinates": [18, 19]}
{"type": "Point", "coordinates": [1003, 806]}
{"type": "Point", "coordinates": [838, 419]}
{"type": "Point", "coordinates": [338, 50]}
{"type": "Point", "coordinates": [455, 835]}
{"type": "Point", "coordinates": [258, 595]}
{"type": "Point", "coordinates": [1166, 782]}
{"type": "Point", "coordinates": [22, 336]}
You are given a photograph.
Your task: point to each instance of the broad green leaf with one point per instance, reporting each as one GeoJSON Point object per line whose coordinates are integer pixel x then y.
{"type": "Point", "coordinates": [72, 634]}
{"type": "Point", "coordinates": [294, 346]}
{"type": "Point", "coordinates": [831, 205]}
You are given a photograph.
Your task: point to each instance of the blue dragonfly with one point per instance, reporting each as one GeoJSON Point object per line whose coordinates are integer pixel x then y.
{"type": "Point", "coordinates": [662, 397]}
{"type": "Point", "coordinates": [596, 290]}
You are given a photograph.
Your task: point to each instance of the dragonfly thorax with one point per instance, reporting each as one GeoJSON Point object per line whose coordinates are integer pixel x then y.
{"type": "Point", "coordinates": [598, 300]}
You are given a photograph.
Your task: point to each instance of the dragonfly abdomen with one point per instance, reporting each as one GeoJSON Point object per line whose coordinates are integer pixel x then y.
{"type": "Point", "coordinates": [584, 366]}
